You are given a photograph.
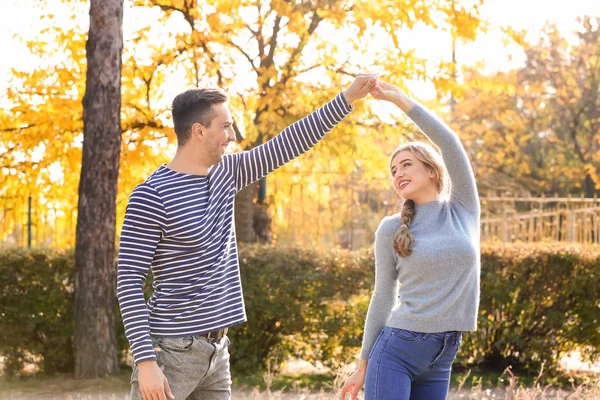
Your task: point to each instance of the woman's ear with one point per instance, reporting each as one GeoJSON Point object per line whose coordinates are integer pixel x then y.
{"type": "Point", "coordinates": [432, 173]}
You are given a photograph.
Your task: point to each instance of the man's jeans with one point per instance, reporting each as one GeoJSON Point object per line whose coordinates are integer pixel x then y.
{"type": "Point", "coordinates": [407, 365]}
{"type": "Point", "coordinates": [195, 367]}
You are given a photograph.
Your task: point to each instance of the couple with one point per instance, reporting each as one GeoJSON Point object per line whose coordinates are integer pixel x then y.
{"type": "Point", "coordinates": [180, 223]}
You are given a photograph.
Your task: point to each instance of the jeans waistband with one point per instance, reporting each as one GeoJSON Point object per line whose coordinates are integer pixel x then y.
{"type": "Point", "coordinates": [453, 336]}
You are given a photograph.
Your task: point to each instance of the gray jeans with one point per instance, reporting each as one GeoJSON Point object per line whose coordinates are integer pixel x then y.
{"type": "Point", "coordinates": [196, 368]}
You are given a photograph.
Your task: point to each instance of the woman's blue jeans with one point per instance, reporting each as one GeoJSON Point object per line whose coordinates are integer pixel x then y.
{"type": "Point", "coordinates": [407, 365]}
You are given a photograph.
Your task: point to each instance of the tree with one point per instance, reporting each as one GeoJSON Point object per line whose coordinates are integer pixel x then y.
{"type": "Point", "coordinates": [537, 128]}
{"type": "Point", "coordinates": [298, 54]}
{"type": "Point", "coordinates": [571, 76]}
{"type": "Point", "coordinates": [278, 61]}
{"type": "Point", "coordinates": [95, 280]}
{"type": "Point", "coordinates": [464, 24]}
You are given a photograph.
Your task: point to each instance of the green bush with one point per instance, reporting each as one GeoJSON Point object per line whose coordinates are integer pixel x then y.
{"type": "Point", "coordinates": [298, 302]}
{"type": "Point", "coordinates": [36, 309]}
{"type": "Point", "coordinates": [538, 302]}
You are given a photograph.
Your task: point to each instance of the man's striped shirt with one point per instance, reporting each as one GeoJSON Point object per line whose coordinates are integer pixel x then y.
{"type": "Point", "coordinates": [182, 226]}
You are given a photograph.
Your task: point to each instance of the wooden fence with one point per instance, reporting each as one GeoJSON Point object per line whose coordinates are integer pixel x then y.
{"type": "Point", "coordinates": [529, 219]}
{"type": "Point", "coordinates": [347, 218]}
{"type": "Point", "coordinates": [353, 211]}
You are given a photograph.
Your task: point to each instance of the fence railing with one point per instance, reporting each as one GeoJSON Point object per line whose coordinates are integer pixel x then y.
{"type": "Point", "coordinates": [27, 222]}
{"type": "Point", "coordinates": [348, 219]}
{"type": "Point", "coordinates": [527, 219]}
{"type": "Point", "coordinates": [353, 214]}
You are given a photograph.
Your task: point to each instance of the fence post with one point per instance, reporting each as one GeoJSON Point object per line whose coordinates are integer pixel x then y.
{"type": "Point", "coordinates": [572, 230]}
{"type": "Point", "coordinates": [572, 221]}
{"type": "Point", "coordinates": [29, 222]}
{"type": "Point", "coordinates": [505, 226]}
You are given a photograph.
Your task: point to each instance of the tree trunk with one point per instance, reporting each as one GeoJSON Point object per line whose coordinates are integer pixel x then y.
{"type": "Point", "coordinates": [95, 283]}
{"type": "Point", "coordinates": [261, 222]}
{"type": "Point", "coordinates": [589, 186]}
{"type": "Point", "coordinates": [244, 214]}
{"type": "Point", "coordinates": [252, 220]}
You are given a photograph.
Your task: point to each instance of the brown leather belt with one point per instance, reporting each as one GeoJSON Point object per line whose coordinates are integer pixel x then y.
{"type": "Point", "coordinates": [216, 335]}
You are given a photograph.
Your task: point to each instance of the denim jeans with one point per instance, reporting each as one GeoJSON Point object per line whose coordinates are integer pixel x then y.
{"type": "Point", "coordinates": [407, 365]}
{"type": "Point", "coordinates": [196, 368]}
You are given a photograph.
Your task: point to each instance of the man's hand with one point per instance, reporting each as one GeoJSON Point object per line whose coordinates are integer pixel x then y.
{"type": "Point", "coordinates": [361, 86]}
{"type": "Point", "coordinates": [153, 383]}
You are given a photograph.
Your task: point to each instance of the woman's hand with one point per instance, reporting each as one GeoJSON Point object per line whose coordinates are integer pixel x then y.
{"type": "Point", "coordinates": [354, 383]}
{"type": "Point", "coordinates": [387, 91]}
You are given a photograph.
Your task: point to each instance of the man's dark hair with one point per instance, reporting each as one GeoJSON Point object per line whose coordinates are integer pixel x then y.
{"type": "Point", "coordinates": [194, 105]}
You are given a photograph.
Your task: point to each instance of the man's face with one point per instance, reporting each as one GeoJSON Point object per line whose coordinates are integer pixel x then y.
{"type": "Point", "coordinates": [219, 134]}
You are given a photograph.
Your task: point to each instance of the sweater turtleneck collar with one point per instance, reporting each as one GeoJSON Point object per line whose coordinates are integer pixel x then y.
{"type": "Point", "coordinates": [428, 207]}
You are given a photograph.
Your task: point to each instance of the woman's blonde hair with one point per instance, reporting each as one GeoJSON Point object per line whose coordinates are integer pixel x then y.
{"type": "Point", "coordinates": [403, 239]}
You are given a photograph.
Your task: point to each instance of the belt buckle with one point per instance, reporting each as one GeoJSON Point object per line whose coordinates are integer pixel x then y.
{"type": "Point", "coordinates": [216, 335]}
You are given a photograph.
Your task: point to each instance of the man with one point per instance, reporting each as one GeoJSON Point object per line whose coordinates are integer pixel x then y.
{"type": "Point", "coordinates": [180, 223]}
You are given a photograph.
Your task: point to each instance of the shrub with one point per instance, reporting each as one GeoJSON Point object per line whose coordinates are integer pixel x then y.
{"type": "Point", "coordinates": [297, 302]}
{"type": "Point", "coordinates": [36, 309]}
{"type": "Point", "coordinates": [538, 302]}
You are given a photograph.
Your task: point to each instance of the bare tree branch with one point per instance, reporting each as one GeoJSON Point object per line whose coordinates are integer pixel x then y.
{"type": "Point", "coordinates": [17, 128]}
{"type": "Point", "coordinates": [190, 20]}
{"type": "Point", "coordinates": [238, 134]}
{"type": "Point", "coordinates": [254, 33]}
{"type": "Point", "coordinates": [273, 42]}
{"type": "Point", "coordinates": [241, 50]}
{"type": "Point", "coordinates": [128, 126]}
{"type": "Point", "coordinates": [289, 65]}
{"type": "Point", "coordinates": [8, 151]}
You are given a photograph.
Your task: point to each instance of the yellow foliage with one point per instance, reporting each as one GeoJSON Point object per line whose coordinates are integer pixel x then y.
{"type": "Point", "coordinates": [533, 128]}
{"type": "Point", "coordinates": [292, 56]}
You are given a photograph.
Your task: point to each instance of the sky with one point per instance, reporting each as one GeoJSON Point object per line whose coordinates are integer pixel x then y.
{"type": "Point", "coordinates": [23, 18]}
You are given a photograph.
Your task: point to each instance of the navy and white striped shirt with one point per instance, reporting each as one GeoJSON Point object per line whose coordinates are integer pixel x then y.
{"type": "Point", "coordinates": [182, 226]}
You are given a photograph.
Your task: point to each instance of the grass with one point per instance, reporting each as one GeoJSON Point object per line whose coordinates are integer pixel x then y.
{"type": "Point", "coordinates": [64, 383]}
{"type": "Point", "coordinates": [468, 379]}
{"type": "Point", "coordinates": [314, 382]}
{"type": "Point", "coordinates": [465, 385]}
{"type": "Point", "coordinates": [485, 378]}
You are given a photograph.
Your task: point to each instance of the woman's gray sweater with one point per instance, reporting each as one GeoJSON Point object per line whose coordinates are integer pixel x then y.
{"type": "Point", "coordinates": [436, 288]}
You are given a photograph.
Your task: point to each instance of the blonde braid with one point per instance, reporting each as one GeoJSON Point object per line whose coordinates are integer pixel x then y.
{"type": "Point", "coordinates": [404, 239]}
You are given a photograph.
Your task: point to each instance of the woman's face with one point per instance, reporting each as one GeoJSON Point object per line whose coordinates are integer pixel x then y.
{"type": "Point", "coordinates": [411, 178]}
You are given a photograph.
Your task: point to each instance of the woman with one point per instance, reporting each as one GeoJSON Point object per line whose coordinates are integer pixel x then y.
{"type": "Point", "coordinates": [427, 269]}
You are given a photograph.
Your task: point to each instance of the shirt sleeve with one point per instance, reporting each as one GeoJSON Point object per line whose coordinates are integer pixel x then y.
{"type": "Point", "coordinates": [296, 139]}
{"type": "Point", "coordinates": [386, 286]}
{"type": "Point", "coordinates": [463, 187]}
{"type": "Point", "coordinates": [143, 228]}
